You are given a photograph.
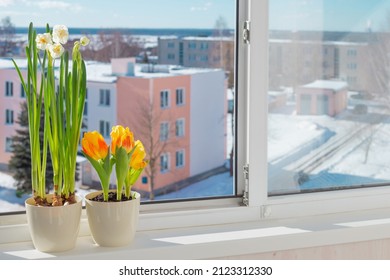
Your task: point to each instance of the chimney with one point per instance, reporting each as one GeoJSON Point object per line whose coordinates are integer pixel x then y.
{"type": "Point", "coordinates": [123, 66]}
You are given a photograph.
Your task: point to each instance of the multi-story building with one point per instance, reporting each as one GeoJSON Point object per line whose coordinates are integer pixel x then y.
{"type": "Point", "coordinates": [299, 58]}
{"type": "Point", "coordinates": [178, 113]}
{"type": "Point", "coordinates": [205, 52]}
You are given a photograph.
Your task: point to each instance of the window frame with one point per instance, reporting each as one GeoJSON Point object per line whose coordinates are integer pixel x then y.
{"type": "Point", "coordinates": [180, 154]}
{"type": "Point", "coordinates": [287, 206]}
{"type": "Point", "coordinates": [164, 163]}
{"type": "Point", "coordinates": [105, 132]}
{"type": "Point", "coordinates": [22, 91]}
{"type": "Point", "coordinates": [9, 89]}
{"type": "Point", "coordinates": [165, 99]}
{"type": "Point", "coordinates": [104, 97]}
{"type": "Point", "coordinates": [180, 96]}
{"type": "Point", "coordinates": [180, 127]}
{"type": "Point", "coordinates": [251, 142]}
{"type": "Point", "coordinates": [9, 117]}
{"type": "Point", "coordinates": [164, 131]}
{"type": "Point", "coordinates": [184, 213]}
{"type": "Point", "coordinates": [8, 144]}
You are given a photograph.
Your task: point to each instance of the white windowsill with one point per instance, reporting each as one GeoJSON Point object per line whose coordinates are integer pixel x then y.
{"type": "Point", "coordinates": [229, 240]}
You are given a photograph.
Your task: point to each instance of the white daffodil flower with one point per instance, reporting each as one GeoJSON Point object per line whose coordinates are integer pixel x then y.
{"type": "Point", "coordinates": [60, 34]}
{"type": "Point", "coordinates": [55, 50]}
{"type": "Point", "coordinates": [43, 40]}
{"type": "Point", "coordinates": [84, 41]}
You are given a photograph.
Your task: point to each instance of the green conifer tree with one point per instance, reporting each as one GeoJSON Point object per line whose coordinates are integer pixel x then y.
{"type": "Point", "coordinates": [20, 162]}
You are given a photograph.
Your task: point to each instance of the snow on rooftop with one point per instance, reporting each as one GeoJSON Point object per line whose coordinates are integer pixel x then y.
{"type": "Point", "coordinates": [336, 43]}
{"type": "Point", "coordinates": [102, 72]}
{"type": "Point", "coordinates": [216, 38]}
{"type": "Point", "coordinates": [99, 72]}
{"type": "Point", "coordinates": [325, 84]}
{"type": "Point", "coordinates": [6, 63]}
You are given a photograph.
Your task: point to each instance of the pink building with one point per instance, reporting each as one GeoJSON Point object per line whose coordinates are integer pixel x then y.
{"type": "Point", "coordinates": [322, 97]}
{"type": "Point", "coordinates": [179, 113]}
{"type": "Point", "coordinates": [11, 95]}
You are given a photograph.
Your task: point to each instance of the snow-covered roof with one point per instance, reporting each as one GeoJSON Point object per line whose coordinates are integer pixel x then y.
{"type": "Point", "coordinates": [216, 38]}
{"type": "Point", "coordinates": [325, 43]}
{"type": "Point", "coordinates": [198, 38]}
{"type": "Point", "coordinates": [6, 63]}
{"type": "Point", "coordinates": [102, 72]}
{"type": "Point", "coordinates": [325, 84]}
{"type": "Point", "coordinates": [99, 72]}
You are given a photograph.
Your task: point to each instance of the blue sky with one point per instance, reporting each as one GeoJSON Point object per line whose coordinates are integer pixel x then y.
{"type": "Point", "coordinates": [346, 15]}
{"type": "Point", "coordinates": [120, 13]}
{"type": "Point", "coordinates": [340, 15]}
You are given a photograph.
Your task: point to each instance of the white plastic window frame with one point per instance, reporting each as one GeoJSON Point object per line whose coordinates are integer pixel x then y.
{"type": "Point", "coordinates": [186, 213]}
{"type": "Point", "coordinates": [289, 206]}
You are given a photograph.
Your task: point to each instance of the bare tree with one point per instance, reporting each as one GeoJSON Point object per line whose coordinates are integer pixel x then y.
{"type": "Point", "coordinates": [221, 53]}
{"type": "Point", "coordinates": [147, 127]}
{"type": "Point", "coordinates": [7, 33]}
{"type": "Point", "coordinates": [112, 45]}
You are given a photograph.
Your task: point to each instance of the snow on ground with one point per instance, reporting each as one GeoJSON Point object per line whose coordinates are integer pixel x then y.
{"type": "Point", "coordinates": [361, 159]}
{"type": "Point", "coordinates": [218, 185]}
{"type": "Point", "coordinates": [9, 202]}
{"type": "Point", "coordinates": [369, 159]}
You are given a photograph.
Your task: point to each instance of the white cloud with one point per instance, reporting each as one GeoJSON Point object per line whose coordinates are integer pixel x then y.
{"type": "Point", "coordinates": [204, 7]}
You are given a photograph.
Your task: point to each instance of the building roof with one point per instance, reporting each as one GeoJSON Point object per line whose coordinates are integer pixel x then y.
{"type": "Point", "coordinates": [102, 72]}
{"type": "Point", "coordinates": [326, 84]}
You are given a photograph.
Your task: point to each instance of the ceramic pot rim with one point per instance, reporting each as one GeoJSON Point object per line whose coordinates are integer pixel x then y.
{"type": "Point", "coordinates": [95, 193]}
{"type": "Point", "coordinates": [30, 201]}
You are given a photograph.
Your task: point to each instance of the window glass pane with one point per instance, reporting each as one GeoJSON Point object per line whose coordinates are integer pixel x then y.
{"type": "Point", "coordinates": [328, 95]}
{"type": "Point", "coordinates": [138, 70]}
{"type": "Point", "coordinates": [107, 97]}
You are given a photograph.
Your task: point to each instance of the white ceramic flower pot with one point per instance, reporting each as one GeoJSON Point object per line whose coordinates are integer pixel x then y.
{"type": "Point", "coordinates": [53, 229]}
{"type": "Point", "coordinates": [112, 224]}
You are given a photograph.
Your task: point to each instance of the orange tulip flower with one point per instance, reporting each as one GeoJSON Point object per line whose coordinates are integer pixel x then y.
{"type": "Point", "coordinates": [137, 158]}
{"type": "Point", "coordinates": [94, 146]}
{"type": "Point", "coordinates": [121, 137]}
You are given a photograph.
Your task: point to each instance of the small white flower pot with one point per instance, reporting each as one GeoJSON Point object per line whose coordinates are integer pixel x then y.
{"type": "Point", "coordinates": [112, 224]}
{"type": "Point", "coordinates": [53, 229]}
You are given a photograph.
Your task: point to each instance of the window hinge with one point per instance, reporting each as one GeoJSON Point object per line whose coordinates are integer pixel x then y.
{"type": "Point", "coordinates": [245, 196]}
{"type": "Point", "coordinates": [246, 32]}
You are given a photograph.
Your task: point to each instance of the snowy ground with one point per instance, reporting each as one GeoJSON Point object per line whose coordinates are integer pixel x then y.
{"type": "Point", "coordinates": [222, 184]}
{"type": "Point", "coordinates": [361, 159]}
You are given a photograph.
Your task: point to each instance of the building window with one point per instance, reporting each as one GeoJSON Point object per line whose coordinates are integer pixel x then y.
{"type": "Point", "coordinates": [104, 97]}
{"type": "Point", "coordinates": [204, 58]}
{"type": "Point", "coordinates": [352, 66]}
{"type": "Point", "coordinates": [179, 96]}
{"type": "Point", "coordinates": [164, 131]}
{"type": "Point", "coordinates": [164, 99]}
{"type": "Point", "coordinates": [351, 52]}
{"type": "Point", "coordinates": [86, 104]}
{"type": "Point", "coordinates": [192, 45]}
{"type": "Point", "coordinates": [204, 46]}
{"type": "Point", "coordinates": [171, 45]}
{"type": "Point", "coordinates": [180, 128]}
{"type": "Point", "coordinates": [22, 91]}
{"type": "Point", "coordinates": [171, 56]}
{"type": "Point", "coordinates": [9, 88]}
{"type": "Point", "coordinates": [192, 57]}
{"type": "Point", "coordinates": [9, 116]}
{"type": "Point", "coordinates": [104, 128]}
{"type": "Point", "coordinates": [164, 163]}
{"type": "Point", "coordinates": [8, 145]}
{"type": "Point", "coordinates": [180, 158]}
